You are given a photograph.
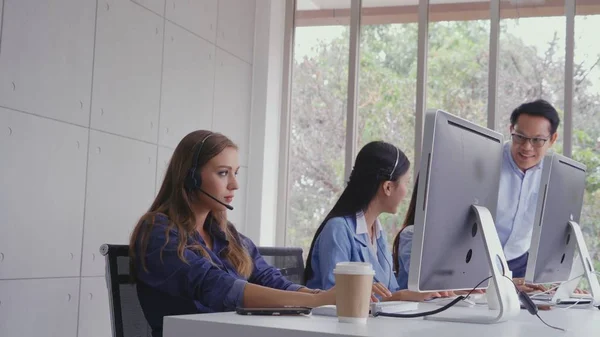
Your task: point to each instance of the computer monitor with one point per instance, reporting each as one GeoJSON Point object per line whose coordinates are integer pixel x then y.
{"type": "Point", "coordinates": [556, 242]}
{"type": "Point", "coordinates": [455, 243]}
{"type": "Point", "coordinates": [552, 249]}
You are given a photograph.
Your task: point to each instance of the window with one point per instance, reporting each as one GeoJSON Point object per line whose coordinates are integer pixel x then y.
{"type": "Point", "coordinates": [318, 118]}
{"type": "Point", "coordinates": [387, 85]}
{"type": "Point", "coordinates": [458, 58]}
{"type": "Point", "coordinates": [531, 61]}
{"type": "Point", "coordinates": [586, 120]}
{"type": "Point", "coordinates": [530, 65]}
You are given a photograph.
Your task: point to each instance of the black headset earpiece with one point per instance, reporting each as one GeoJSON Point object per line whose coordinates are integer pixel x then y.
{"type": "Point", "coordinates": [193, 181]}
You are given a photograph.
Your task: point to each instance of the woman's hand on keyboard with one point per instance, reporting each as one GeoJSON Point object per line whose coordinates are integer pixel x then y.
{"type": "Point", "coordinates": [413, 296]}
{"type": "Point", "coordinates": [466, 292]}
{"type": "Point", "coordinates": [381, 290]}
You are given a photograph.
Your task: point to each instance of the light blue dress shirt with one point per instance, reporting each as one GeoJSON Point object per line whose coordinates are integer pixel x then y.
{"type": "Point", "coordinates": [517, 202]}
{"type": "Point", "coordinates": [362, 228]}
{"type": "Point", "coordinates": [340, 241]}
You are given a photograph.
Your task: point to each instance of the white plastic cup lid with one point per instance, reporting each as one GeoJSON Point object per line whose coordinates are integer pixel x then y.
{"type": "Point", "coordinates": [354, 268]}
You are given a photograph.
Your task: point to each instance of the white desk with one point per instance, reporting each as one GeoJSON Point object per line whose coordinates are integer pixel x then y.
{"type": "Point", "coordinates": [577, 322]}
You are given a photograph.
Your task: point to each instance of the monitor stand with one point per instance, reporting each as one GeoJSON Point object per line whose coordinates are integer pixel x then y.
{"type": "Point", "coordinates": [503, 301]}
{"type": "Point", "coordinates": [582, 267]}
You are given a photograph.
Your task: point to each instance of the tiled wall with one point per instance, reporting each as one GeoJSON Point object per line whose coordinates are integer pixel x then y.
{"type": "Point", "coordinates": [94, 96]}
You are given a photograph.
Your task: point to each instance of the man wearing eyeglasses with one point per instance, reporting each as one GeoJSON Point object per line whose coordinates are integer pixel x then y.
{"type": "Point", "coordinates": [533, 128]}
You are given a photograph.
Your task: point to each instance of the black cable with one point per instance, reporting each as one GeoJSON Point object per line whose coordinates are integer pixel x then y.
{"type": "Point", "coordinates": [420, 314]}
{"type": "Point", "coordinates": [432, 312]}
{"type": "Point", "coordinates": [478, 284]}
{"type": "Point", "coordinates": [553, 327]}
{"type": "Point", "coordinates": [525, 299]}
{"type": "Point", "coordinates": [511, 281]}
{"type": "Point", "coordinates": [529, 305]}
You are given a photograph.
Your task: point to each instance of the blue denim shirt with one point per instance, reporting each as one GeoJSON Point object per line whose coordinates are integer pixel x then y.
{"type": "Point", "coordinates": [339, 242]}
{"type": "Point", "coordinates": [174, 287]}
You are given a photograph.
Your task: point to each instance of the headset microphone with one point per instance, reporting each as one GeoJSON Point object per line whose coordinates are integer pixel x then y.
{"type": "Point", "coordinates": [229, 207]}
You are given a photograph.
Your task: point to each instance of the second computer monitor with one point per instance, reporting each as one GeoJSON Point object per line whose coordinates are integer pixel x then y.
{"type": "Point", "coordinates": [460, 167]}
{"type": "Point", "coordinates": [553, 244]}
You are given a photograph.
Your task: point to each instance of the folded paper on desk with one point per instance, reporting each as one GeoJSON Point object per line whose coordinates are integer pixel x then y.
{"type": "Point", "coordinates": [391, 307]}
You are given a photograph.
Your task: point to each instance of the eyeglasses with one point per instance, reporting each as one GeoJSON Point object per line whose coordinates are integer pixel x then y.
{"type": "Point", "coordinates": [535, 141]}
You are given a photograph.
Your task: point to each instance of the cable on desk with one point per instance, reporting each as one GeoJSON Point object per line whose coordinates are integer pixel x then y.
{"type": "Point", "coordinates": [432, 312]}
{"type": "Point", "coordinates": [525, 300]}
{"type": "Point", "coordinates": [551, 326]}
{"type": "Point", "coordinates": [555, 287]}
{"type": "Point", "coordinates": [576, 303]}
{"type": "Point", "coordinates": [529, 305]}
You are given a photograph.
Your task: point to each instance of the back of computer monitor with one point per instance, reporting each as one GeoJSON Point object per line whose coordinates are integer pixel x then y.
{"type": "Point", "coordinates": [560, 200]}
{"type": "Point", "coordinates": [460, 167]}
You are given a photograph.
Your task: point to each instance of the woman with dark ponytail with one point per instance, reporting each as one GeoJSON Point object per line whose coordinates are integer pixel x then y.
{"type": "Point", "coordinates": [352, 232]}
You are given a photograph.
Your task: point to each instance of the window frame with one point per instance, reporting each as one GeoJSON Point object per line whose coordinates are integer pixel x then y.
{"type": "Point", "coordinates": [422, 12]}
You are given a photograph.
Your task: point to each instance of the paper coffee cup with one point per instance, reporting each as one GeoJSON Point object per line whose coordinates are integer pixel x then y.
{"type": "Point", "coordinates": [353, 287]}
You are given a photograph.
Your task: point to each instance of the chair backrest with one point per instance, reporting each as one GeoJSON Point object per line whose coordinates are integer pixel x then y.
{"type": "Point", "coordinates": [126, 315]}
{"type": "Point", "coordinates": [287, 259]}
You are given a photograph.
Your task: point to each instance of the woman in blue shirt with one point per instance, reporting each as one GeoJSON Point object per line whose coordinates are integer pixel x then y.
{"type": "Point", "coordinates": [352, 232]}
{"type": "Point", "coordinates": [187, 258]}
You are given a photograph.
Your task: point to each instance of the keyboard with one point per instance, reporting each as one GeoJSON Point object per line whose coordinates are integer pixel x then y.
{"type": "Point", "coordinates": [389, 307]}
{"type": "Point", "coordinates": [442, 301]}
{"type": "Point", "coordinates": [395, 306]}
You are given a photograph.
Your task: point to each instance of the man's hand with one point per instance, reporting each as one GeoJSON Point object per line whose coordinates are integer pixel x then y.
{"type": "Point", "coordinates": [528, 287]}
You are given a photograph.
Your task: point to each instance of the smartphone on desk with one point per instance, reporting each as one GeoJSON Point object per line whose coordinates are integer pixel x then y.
{"type": "Point", "coordinates": [285, 311]}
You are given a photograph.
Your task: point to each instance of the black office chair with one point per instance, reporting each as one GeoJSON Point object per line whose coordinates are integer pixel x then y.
{"type": "Point", "coordinates": [126, 314]}
{"type": "Point", "coordinates": [287, 259]}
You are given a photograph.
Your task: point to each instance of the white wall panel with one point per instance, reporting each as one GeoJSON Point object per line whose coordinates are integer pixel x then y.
{"type": "Point", "coordinates": [39, 307]}
{"type": "Point", "coordinates": [88, 90]}
{"type": "Point", "coordinates": [157, 6]}
{"type": "Point", "coordinates": [46, 59]}
{"type": "Point", "coordinates": [94, 310]}
{"type": "Point", "coordinates": [120, 188]}
{"type": "Point", "coordinates": [198, 16]}
{"type": "Point", "coordinates": [1, 9]}
{"type": "Point", "coordinates": [233, 89]}
{"type": "Point", "coordinates": [164, 156]}
{"type": "Point", "coordinates": [188, 82]}
{"type": "Point", "coordinates": [127, 70]}
{"type": "Point", "coordinates": [235, 31]}
{"type": "Point", "coordinates": [41, 200]}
